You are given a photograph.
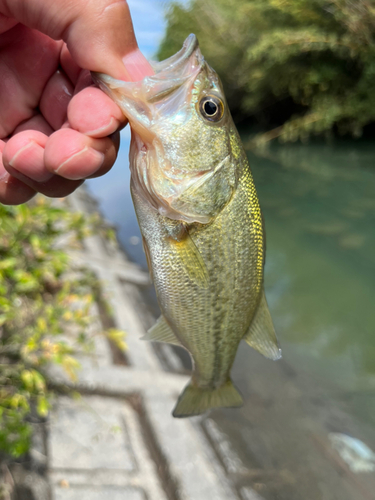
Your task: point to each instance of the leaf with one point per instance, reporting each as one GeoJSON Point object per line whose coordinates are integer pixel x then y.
{"type": "Point", "coordinates": [43, 406]}
{"type": "Point", "coordinates": [117, 337]}
{"type": "Point", "coordinates": [9, 263]}
{"type": "Point", "coordinates": [39, 381]}
{"type": "Point", "coordinates": [27, 379]}
{"type": "Point", "coordinates": [71, 367]}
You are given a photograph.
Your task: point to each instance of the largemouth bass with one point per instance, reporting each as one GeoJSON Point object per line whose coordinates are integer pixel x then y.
{"type": "Point", "coordinates": [201, 222]}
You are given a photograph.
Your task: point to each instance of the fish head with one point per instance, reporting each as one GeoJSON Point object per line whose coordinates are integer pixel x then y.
{"type": "Point", "coordinates": [181, 148]}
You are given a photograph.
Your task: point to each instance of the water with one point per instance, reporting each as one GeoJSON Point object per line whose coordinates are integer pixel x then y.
{"type": "Point", "coordinates": [319, 207]}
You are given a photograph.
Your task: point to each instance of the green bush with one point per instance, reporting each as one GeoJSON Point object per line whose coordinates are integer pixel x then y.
{"type": "Point", "coordinates": [41, 297]}
{"type": "Point", "coordinates": [310, 63]}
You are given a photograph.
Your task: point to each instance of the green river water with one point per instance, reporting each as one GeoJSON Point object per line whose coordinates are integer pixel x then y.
{"type": "Point", "coordinates": [319, 207]}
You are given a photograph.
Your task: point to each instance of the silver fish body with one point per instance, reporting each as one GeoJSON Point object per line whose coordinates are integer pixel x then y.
{"type": "Point", "coordinates": [200, 218]}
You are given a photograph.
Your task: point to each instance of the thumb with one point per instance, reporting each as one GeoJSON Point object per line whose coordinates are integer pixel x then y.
{"type": "Point", "coordinates": [99, 33]}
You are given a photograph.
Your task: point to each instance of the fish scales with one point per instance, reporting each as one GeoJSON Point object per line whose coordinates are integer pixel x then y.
{"type": "Point", "coordinates": [201, 222]}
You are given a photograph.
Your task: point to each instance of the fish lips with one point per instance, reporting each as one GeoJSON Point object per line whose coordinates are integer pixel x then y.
{"type": "Point", "coordinates": [145, 101]}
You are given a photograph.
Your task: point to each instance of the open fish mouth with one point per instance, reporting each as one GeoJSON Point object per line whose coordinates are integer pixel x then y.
{"type": "Point", "coordinates": [146, 102]}
{"type": "Point", "coordinates": [170, 74]}
{"type": "Point", "coordinates": [178, 60]}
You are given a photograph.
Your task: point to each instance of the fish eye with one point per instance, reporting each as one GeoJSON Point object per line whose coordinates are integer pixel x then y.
{"type": "Point", "coordinates": [211, 108]}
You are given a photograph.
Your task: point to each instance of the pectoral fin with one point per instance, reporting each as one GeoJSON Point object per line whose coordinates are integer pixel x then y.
{"type": "Point", "coordinates": [192, 259]}
{"type": "Point", "coordinates": [261, 335]}
{"type": "Point", "coordinates": [161, 332]}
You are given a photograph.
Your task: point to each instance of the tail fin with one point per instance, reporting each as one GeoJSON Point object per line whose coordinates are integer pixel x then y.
{"type": "Point", "coordinates": [195, 400]}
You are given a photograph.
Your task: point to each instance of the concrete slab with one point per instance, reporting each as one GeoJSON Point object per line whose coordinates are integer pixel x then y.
{"type": "Point", "coordinates": [97, 458]}
{"type": "Point", "coordinates": [181, 446]}
{"type": "Point", "coordinates": [89, 434]}
{"type": "Point", "coordinates": [250, 494]}
{"type": "Point", "coordinates": [98, 493]}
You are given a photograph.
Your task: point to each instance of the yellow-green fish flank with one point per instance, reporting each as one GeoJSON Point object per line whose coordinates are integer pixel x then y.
{"type": "Point", "coordinates": [201, 222]}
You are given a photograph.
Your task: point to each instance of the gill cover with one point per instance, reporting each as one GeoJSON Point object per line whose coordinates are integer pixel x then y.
{"type": "Point", "coordinates": [180, 155]}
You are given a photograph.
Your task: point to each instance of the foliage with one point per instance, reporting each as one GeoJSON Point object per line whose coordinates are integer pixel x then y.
{"type": "Point", "coordinates": [310, 63]}
{"type": "Point", "coordinates": [41, 297]}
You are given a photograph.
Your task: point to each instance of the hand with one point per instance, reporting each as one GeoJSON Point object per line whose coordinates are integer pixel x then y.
{"type": "Point", "coordinates": [56, 129]}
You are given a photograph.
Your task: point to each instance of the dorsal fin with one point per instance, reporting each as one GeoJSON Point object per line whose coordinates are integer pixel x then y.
{"type": "Point", "coordinates": [261, 335]}
{"type": "Point", "coordinates": [161, 332]}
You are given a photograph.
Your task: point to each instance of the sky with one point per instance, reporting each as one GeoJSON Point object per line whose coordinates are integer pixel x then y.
{"type": "Point", "coordinates": [148, 21]}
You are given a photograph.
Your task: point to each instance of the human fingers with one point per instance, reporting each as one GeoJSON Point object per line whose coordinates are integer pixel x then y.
{"type": "Point", "coordinates": [28, 61]}
{"type": "Point", "coordinates": [6, 23]}
{"type": "Point", "coordinates": [35, 123]}
{"type": "Point", "coordinates": [74, 156]}
{"type": "Point", "coordinates": [104, 52]}
{"type": "Point", "coordinates": [12, 190]}
{"type": "Point", "coordinates": [37, 159]}
{"type": "Point", "coordinates": [90, 111]}
{"type": "Point", "coordinates": [68, 64]}
{"type": "Point", "coordinates": [55, 99]}
{"type": "Point", "coordinates": [55, 187]}
{"type": "Point", "coordinates": [93, 113]}
{"type": "Point", "coordinates": [69, 154]}
{"type": "Point", "coordinates": [24, 153]}
{"type": "Point", "coordinates": [99, 33]}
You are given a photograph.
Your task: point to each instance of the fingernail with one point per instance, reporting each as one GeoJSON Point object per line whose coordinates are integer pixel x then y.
{"type": "Point", "coordinates": [107, 129]}
{"type": "Point", "coordinates": [82, 164]}
{"type": "Point", "coordinates": [29, 161]}
{"type": "Point", "coordinates": [3, 173]}
{"type": "Point", "coordinates": [137, 66]}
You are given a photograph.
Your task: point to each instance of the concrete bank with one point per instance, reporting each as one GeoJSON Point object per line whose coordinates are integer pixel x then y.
{"type": "Point", "coordinates": [119, 440]}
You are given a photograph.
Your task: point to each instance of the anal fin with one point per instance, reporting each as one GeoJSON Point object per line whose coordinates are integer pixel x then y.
{"type": "Point", "coordinates": [261, 335]}
{"type": "Point", "coordinates": [161, 332]}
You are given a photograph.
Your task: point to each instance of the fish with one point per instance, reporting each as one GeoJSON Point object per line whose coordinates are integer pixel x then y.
{"type": "Point", "coordinates": [201, 222]}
